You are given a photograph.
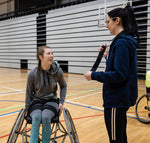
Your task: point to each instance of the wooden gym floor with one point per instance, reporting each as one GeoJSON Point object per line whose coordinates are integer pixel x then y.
{"type": "Point", "coordinates": [83, 100]}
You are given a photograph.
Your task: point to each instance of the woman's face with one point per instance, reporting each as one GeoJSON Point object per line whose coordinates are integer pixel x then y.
{"type": "Point", "coordinates": [47, 57]}
{"type": "Point", "coordinates": [111, 25]}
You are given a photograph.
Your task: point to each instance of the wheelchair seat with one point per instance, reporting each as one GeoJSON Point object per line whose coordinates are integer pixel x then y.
{"type": "Point", "coordinates": [22, 121]}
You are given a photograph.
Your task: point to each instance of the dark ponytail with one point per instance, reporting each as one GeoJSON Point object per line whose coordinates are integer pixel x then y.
{"type": "Point", "coordinates": [128, 20]}
{"type": "Point", "coordinates": [131, 27]}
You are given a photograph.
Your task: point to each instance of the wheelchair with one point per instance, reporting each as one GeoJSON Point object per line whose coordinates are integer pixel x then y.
{"type": "Point", "coordinates": [57, 129]}
{"type": "Point", "coordinates": [142, 108]}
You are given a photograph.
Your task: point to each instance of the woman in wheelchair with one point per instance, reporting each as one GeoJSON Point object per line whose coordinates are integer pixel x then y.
{"type": "Point", "coordinates": [41, 94]}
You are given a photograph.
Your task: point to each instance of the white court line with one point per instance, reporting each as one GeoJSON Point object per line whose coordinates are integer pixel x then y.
{"type": "Point", "coordinates": [131, 115]}
{"type": "Point", "coordinates": [84, 96]}
{"type": "Point", "coordinates": [80, 83]}
{"type": "Point", "coordinates": [9, 92]}
{"type": "Point", "coordinates": [12, 93]}
{"type": "Point", "coordinates": [10, 88]}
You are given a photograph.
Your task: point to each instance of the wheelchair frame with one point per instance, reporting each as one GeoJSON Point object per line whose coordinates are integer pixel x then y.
{"type": "Point", "coordinates": [55, 125]}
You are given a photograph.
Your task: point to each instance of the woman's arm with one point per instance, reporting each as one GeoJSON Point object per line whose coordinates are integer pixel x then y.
{"type": "Point", "coordinates": [29, 90]}
{"type": "Point", "coordinates": [63, 89]}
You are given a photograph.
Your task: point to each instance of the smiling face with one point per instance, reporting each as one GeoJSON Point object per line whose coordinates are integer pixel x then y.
{"type": "Point", "coordinates": [46, 58]}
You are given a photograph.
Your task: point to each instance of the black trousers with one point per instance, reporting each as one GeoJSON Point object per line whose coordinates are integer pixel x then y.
{"type": "Point", "coordinates": [147, 89]}
{"type": "Point", "coordinates": [116, 124]}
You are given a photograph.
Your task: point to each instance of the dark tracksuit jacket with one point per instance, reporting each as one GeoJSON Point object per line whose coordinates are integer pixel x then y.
{"type": "Point", "coordinates": [120, 88]}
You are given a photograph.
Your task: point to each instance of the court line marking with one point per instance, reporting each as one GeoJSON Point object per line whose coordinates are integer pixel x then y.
{"type": "Point", "coordinates": [13, 107]}
{"type": "Point", "coordinates": [69, 101]}
{"type": "Point", "coordinates": [68, 95]}
{"type": "Point", "coordinates": [22, 91]}
{"type": "Point", "coordinates": [77, 104]}
{"type": "Point", "coordinates": [9, 92]}
{"type": "Point", "coordinates": [84, 96]}
{"type": "Point", "coordinates": [9, 88]}
{"type": "Point", "coordinates": [83, 92]}
{"type": "Point", "coordinates": [12, 93]}
{"type": "Point", "coordinates": [79, 82]}
{"type": "Point", "coordinates": [12, 80]}
{"type": "Point", "coordinates": [94, 107]}
{"type": "Point", "coordinates": [77, 118]}
{"type": "Point", "coordinates": [10, 113]}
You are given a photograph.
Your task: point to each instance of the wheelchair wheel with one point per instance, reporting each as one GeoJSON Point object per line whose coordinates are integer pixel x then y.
{"type": "Point", "coordinates": [142, 109]}
{"type": "Point", "coordinates": [15, 131]}
{"type": "Point", "coordinates": [70, 127]}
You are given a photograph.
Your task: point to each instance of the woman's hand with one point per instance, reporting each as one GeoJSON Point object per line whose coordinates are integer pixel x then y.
{"type": "Point", "coordinates": [87, 75]}
{"type": "Point", "coordinates": [106, 50]}
{"type": "Point", "coordinates": [60, 109]}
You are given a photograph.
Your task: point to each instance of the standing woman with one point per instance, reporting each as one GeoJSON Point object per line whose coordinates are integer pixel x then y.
{"type": "Point", "coordinates": [120, 89]}
{"type": "Point", "coordinates": [41, 94]}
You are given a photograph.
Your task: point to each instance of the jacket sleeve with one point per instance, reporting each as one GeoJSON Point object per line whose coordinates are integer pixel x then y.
{"type": "Point", "coordinates": [29, 90]}
{"type": "Point", "coordinates": [63, 86]}
{"type": "Point", "coordinates": [119, 72]}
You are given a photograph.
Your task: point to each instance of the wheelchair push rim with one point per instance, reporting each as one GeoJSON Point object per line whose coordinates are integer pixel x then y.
{"type": "Point", "coordinates": [70, 127]}
{"type": "Point", "coordinates": [15, 131]}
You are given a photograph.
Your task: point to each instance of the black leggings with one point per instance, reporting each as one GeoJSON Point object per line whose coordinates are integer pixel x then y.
{"type": "Point", "coordinates": [116, 123]}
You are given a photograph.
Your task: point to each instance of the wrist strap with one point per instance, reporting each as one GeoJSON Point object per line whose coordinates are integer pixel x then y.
{"type": "Point", "coordinates": [98, 60]}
